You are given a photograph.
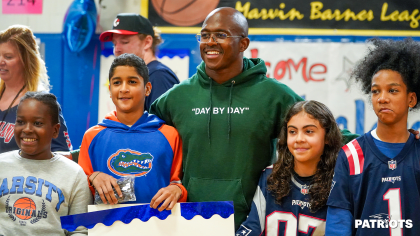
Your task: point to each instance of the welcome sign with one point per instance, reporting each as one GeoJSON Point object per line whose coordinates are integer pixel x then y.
{"type": "Point", "coordinates": [321, 71]}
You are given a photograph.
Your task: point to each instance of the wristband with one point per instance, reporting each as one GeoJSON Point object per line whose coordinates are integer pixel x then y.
{"type": "Point", "coordinates": [95, 176]}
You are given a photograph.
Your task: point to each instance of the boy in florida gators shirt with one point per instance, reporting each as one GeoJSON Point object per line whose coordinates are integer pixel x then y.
{"type": "Point", "coordinates": [129, 141]}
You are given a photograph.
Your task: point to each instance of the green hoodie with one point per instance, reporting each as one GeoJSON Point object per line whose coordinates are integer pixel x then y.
{"type": "Point", "coordinates": [227, 130]}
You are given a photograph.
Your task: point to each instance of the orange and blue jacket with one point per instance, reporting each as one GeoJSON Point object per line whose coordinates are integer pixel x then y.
{"type": "Point", "coordinates": [149, 150]}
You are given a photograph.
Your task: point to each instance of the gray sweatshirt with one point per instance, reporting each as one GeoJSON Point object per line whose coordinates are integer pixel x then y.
{"type": "Point", "coordinates": [35, 193]}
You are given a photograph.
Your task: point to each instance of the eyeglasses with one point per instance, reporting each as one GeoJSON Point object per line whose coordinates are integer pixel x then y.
{"type": "Point", "coordinates": [219, 37]}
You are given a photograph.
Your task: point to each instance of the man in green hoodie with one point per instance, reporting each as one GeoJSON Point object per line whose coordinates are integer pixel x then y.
{"type": "Point", "coordinates": [228, 115]}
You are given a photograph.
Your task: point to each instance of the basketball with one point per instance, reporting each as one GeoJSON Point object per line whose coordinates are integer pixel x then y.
{"type": "Point", "coordinates": [184, 12]}
{"type": "Point", "coordinates": [24, 208]}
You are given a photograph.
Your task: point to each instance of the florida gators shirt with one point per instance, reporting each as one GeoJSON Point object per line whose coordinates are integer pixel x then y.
{"type": "Point", "coordinates": [382, 193]}
{"type": "Point", "coordinates": [292, 217]}
{"type": "Point", "coordinates": [149, 150]}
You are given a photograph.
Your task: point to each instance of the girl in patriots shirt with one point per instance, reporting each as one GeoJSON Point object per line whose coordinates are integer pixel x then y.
{"type": "Point", "coordinates": [291, 195]}
{"type": "Point", "coordinates": [377, 176]}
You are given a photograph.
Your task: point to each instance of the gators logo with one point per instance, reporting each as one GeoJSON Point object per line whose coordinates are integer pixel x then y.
{"type": "Point", "coordinates": [129, 162]}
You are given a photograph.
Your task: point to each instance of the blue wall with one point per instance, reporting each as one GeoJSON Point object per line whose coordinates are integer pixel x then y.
{"type": "Point", "coordinates": [75, 81]}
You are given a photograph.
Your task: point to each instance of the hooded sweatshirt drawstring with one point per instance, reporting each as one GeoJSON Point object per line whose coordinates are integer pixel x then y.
{"type": "Point", "coordinates": [208, 123]}
{"type": "Point", "coordinates": [210, 111]}
{"type": "Point", "coordinates": [230, 103]}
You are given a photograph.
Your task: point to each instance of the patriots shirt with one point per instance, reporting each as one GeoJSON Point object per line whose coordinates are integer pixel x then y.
{"type": "Point", "coordinates": [292, 217]}
{"type": "Point", "coordinates": [383, 194]}
{"type": "Point", "coordinates": [7, 139]}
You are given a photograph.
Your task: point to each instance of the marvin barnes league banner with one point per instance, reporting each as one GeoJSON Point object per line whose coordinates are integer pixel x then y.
{"type": "Point", "coordinates": [354, 17]}
{"type": "Point", "coordinates": [321, 71]}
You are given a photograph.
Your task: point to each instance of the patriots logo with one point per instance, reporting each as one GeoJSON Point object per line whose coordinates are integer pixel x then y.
{"type": "Point", "coordinates": [391, 179]}
{"type": "Point", "coordinates": [301, 205]}
{"type": "Point", "coordinates": [128, 162]}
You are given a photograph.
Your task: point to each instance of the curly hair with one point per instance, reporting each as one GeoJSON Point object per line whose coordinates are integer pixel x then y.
{"type": "Point", "coordinates": [279, 182]}
{"type": "Point", "coordinates": [36, 78]}
{"type": "Point", "coordinates": [400, 56]}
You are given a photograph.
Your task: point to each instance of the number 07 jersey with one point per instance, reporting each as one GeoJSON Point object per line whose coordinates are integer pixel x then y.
{"type": "Point", "coordinates": [292, 218]}
{"type": "Point", "coordinates": [383, 194]}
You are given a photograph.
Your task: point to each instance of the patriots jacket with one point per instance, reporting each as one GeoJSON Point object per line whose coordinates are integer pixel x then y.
{"type": "Point", "coordinates": [149, 150]}
{"type": "Point", "coordinates": [379, 189]}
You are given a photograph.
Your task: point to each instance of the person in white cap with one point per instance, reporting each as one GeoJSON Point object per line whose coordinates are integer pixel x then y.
{"type": "Point", "coordinates": [132, 33]}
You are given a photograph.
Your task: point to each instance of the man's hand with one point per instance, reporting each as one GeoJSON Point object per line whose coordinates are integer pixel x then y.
{"type": "Point", "coordinates": [168, 195]}
{"type": "Point", "coordinates": [415, 132]}
{"type": "Point", "coordinates": [103, 184]}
